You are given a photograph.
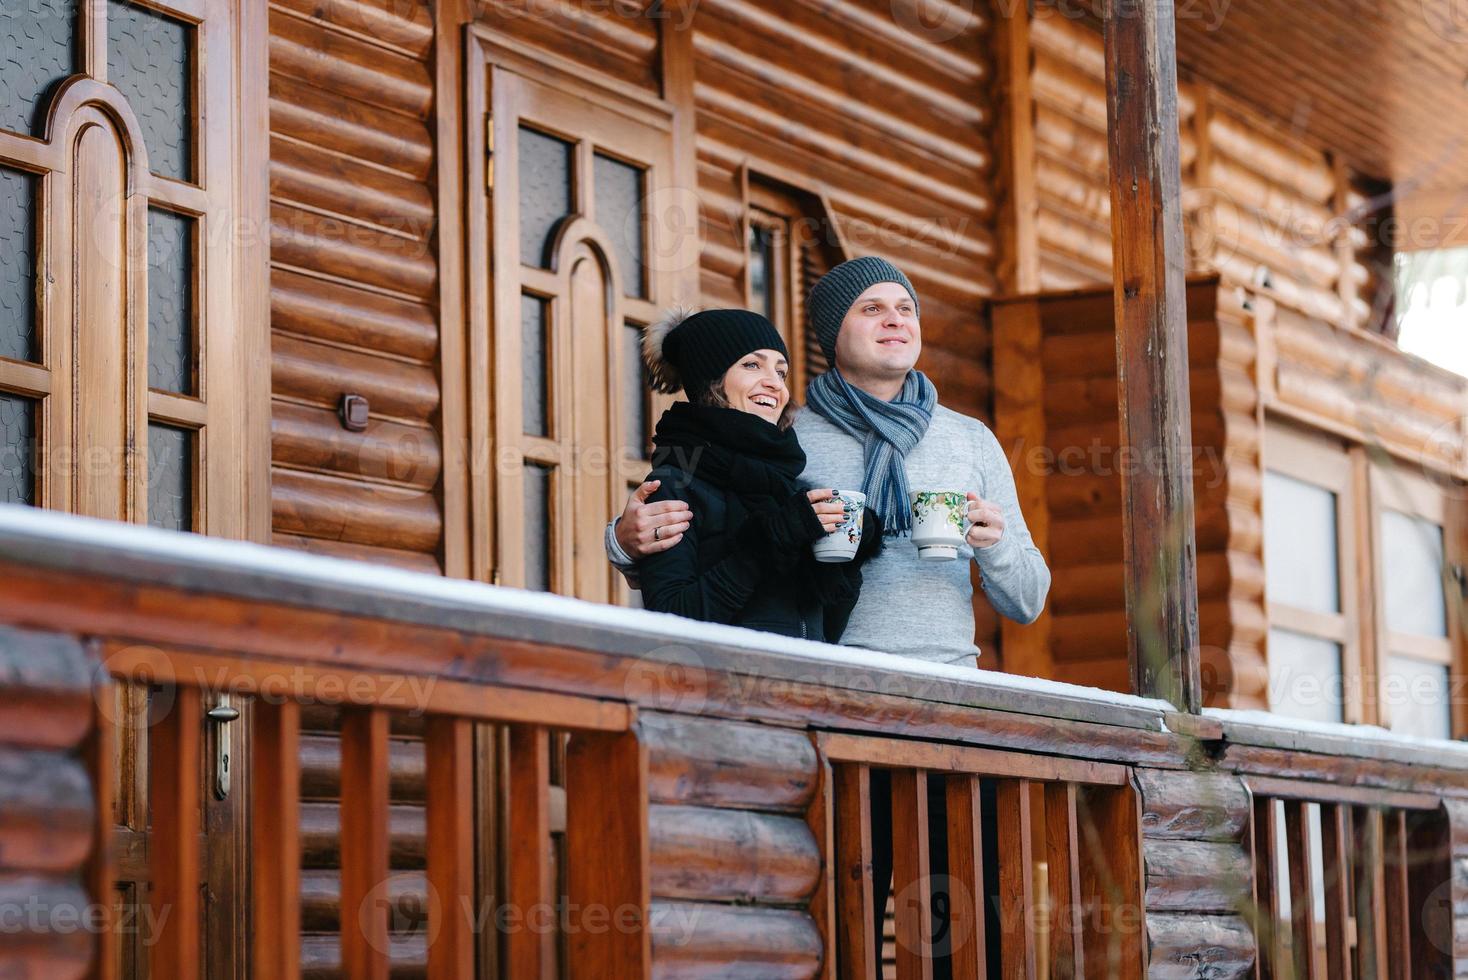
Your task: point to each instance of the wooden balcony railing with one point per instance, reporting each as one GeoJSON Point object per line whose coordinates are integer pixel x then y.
{"type": "Point", "coordinates": [446, 779]}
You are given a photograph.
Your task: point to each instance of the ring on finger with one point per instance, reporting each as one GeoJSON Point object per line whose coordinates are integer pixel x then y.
{"type": "Point", "coordinates": [655, 532]}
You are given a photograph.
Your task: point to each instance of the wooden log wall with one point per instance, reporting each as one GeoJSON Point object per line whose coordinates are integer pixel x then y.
{"type": "Point", "coordinates": [1199, 869]}
{"type": "Point", "coordinates": [1069, 465]}
{"type": "Point", "coordinates": [733, 861]}
{"type": "Point", "coordinates": [51, 811]}
{"type": "Point", "coordinates": [819, 95]}
{"type": "Point", "coordinates": [354, 279]}
{"type": "Point", "coordinates": [1259, 202]}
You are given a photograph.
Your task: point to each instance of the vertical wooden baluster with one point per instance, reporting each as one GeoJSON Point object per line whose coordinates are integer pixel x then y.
{"type": "Point", "coordinates": [1112, 880]}
{"type": "Point", "coordinates": [173, 793]}
{"type": "Point", "coordinates": [1370, 895]}
{"type": "Point", "coordinates": [1016, 887]}
{"type": "Point", "coordinates": [1333, 837]}
{"type": "Point", "coordinates": [101, 757]}
{"type": "Point", "coordinates": [1304, 952]}
{"type": "Point", "coordinates": [449, 747]}
{"type": "Point", "coordinates": [1067, 958]}
{"type": "Point", "coordinates": [530, 949]}
{"type": "Point", "coordinates": [607, 861]}
{"type": "Point", "coordinates": [910, 874]}
{"type": "Point", "coordinates": [966, 878]}
{"type": "Point", "coordinates": [364, 844]}
{"type": "Point", "coordinates": [275, 813]}
{"type": "Point", "coordinates": [1267, 889]}
{"type": "Point", "coordinates": [857, 947]}
{"type": "Point", "coordinates": [1396, 896]}
{"type": "Point", "coordinates": [1430, 891]}
{"type": "Point", "coordinates": [820, 818]}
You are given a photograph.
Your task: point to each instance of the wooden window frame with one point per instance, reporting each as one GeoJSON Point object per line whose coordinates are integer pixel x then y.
{"type": "Point", "coordinates": [505, 87]}
{"type": "Point", "coordinates": [1324, 463]}
{"type": "Point", "coordinates": [228, 412]}
{"type": "Point", "coordinates": [1394, 487]}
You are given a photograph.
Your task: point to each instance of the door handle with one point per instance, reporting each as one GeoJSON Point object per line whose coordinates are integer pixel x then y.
{"type": "Point", "coordinates": [221, 715]}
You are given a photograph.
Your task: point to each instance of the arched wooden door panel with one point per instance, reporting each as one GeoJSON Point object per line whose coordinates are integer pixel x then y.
{"type": "Point", "coordinates": [563, 246]}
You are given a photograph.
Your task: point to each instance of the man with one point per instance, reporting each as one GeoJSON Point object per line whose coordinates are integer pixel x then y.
{"type": "Point", "coordinates": [873, 423]}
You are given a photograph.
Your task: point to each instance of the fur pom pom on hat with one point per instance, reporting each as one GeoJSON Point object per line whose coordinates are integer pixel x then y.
{"type": "Point", "coordinates": [691, 350]}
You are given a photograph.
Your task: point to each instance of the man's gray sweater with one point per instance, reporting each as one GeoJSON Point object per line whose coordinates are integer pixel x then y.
{"type": "Point", "coordinates": [924, 609]}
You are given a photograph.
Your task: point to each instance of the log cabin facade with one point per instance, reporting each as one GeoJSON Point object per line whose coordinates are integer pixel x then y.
{"type": "Point", "coordinates": [365, 279]}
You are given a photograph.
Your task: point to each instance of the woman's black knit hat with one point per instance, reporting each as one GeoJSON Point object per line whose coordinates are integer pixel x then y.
{"type": "Point", "coordinates": [693, 350]}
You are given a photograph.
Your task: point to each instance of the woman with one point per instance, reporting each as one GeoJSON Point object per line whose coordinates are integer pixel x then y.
{"type": "Point", "coordinates": [731, 454]}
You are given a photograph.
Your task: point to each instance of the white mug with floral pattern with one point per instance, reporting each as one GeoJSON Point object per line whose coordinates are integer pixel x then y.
{"type": "Point", "coordinates": [841, 544]}
{"type": "Point", "coordinates": [939, 523]}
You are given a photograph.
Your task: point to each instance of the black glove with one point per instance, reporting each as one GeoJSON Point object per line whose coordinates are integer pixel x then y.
{"type": "Point", "coordinates": [834, 583]}
{"type": "Point", "coordinates": [782, 534]}
{"type": "Point", "coordinates": [871, 537]}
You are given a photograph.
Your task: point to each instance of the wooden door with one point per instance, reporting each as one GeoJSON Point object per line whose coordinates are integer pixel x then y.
{"type": "Point", "coordinates": [565, 246]}
{"type": "Point", "coordinates": [142, 718]}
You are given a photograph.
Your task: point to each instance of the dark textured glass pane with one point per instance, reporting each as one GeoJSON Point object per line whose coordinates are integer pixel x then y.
{"type": "Point", "coordinates": [635, 389]}
{"type": "Point", "coordinates": [761, 265]}
{"type": "Point", "coordinates": [619, 212]}
{"type": "Point", "coordinates": [38, 41]}
{"type": "Point", "coordinates": [150, 58]}
{"type": "Point", "coordinates": [534, 346]}
{"type": "Point", "coordinates": [537, 527]}
{"type": "Point", "coordinates": [545, 192]}
{"type": "Point", "coordinates": [17, 450]}
{"type": "Point", "coordinates": [170, 302]}
{"type": "Point", "coordinates": [170, 477]}
{"type": "Point", "coordinates": [17, 264]}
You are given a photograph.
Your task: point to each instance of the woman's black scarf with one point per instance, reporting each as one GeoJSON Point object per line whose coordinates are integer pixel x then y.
{"type": "Point", "coordinates": [738, 452]}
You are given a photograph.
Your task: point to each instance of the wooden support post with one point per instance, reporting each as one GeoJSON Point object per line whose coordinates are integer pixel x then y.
{"type": "Point", "coordinates": [1398, 913]}
{"type": "Point", "coordinates": [1112, 881]}
{"type": "Point", "coordinates": [1267, 906]}
{"type": "Point", "coordinates": [1152, 352]}
{"type": "Point", "coordinates": [821, 818]}
{"type": "Point", "coordinates": [1371, 918]}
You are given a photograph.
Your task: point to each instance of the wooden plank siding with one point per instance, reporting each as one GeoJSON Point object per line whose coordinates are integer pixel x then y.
{"type": "Point", "coordinates": [1070, 460]}
{"type": "Point", "coordinates": [353, 283]}
{"type": "Point", "coordinates": [1258, 200]}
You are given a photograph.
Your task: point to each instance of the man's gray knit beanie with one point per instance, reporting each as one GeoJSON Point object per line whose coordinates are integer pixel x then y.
{"type": "Point", "coordinates": [833, 295]}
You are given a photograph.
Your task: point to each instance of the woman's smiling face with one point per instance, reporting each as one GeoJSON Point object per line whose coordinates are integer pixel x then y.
{"type": "Point", "coordinates": [756, 384]}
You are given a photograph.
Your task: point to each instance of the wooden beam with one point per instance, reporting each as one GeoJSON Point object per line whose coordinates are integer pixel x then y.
{"type": "Point", "coordinates": [1304, 953]}
{"type": "Point", "coordinates": [1062, 850]}
{"type": "Point", "coordinates": [1150, 266]}
{"type": "Point", "coordinates": [1334, 841]}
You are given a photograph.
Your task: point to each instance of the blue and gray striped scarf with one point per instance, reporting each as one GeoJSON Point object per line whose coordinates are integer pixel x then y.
{"type": "Point", "coordinates": [888, 431]}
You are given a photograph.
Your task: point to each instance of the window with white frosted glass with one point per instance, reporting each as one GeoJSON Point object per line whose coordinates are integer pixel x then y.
{"type": "Point", "coordinates": [1305, 676]}
{"type": "Point", "coordinates": [1412, 573]}
{"type": "Point", "coordinates": [1300, 544]}
{"type": "Point", "coordinates": [1416, 695]}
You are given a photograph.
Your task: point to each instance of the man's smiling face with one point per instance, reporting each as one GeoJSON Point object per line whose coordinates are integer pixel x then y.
{"type": "Point", "coordinates": [881, 336]}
